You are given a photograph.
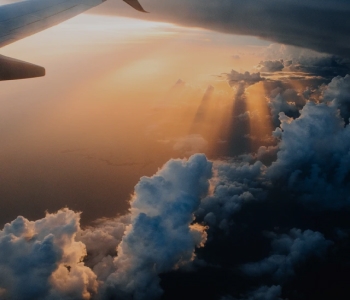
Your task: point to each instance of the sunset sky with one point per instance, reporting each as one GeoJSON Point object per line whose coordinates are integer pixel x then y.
{"type": "Point", "coordinates": [201, 151]}
{"type": "Point", "coordinates": [108, 91]}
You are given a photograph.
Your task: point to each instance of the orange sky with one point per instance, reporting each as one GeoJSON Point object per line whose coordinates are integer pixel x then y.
{"type": "Point", "coordinates": [108, 110]}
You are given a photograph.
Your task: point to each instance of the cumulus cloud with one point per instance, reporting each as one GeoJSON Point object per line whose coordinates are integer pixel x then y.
{"type": "Point", "coordinates": [264, 154]}
{"type": "Point", "coordinates": [287, 101]}
{"type": "Point", "coordinates": [312, 147]}
{"type": "Point", "coordinates": [337, 93]}
{"type": "Point", "coordinates": [42, 260]}
{"type": "Point", "coordinates": [234, 185]}
{"type": "Point", "coordinates": [123, 256]}
{"type": "Point", "coordinates": [161, 236]}
{"type": "Point", "coordinates": [101, 241]}
{"type": "Point", "coordinates": [270, 66]}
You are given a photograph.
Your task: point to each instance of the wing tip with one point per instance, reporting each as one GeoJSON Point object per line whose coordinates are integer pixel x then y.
{"type": "Point", "coordinates": [136, 5]}
{"type": "Point", "coordinates": [13, 69]}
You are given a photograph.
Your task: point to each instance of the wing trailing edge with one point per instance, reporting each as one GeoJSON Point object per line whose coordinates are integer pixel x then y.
{"type": "Point", "coordinates": [135, 4]}
{"type": "Point", "coordinates": [12, 69]}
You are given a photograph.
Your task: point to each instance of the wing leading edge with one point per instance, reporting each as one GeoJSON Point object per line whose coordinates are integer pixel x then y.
{"type": "Point", "coordinates": [22, 19]}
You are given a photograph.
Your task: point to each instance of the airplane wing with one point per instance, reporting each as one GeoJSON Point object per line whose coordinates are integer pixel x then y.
{"type": "Point", "coordinates": [135, 4]}
{"type": "Point", "coordinates": [21, 19]}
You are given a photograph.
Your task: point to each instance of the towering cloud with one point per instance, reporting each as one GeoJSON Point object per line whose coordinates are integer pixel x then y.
{"type": "Point", "coordinates": [313, 147]}
{"type": "Point", "coordinates": [161, 236]}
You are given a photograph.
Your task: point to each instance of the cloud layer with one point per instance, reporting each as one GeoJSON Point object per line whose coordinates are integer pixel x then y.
{"type": "Point", "coordinates": [265, 224]}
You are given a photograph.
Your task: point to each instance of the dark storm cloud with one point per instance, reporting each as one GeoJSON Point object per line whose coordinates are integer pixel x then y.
{"type": "Point", "coordinates": [319, 25]}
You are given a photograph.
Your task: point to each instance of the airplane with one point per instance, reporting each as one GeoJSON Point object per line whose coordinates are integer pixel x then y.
{"type": "Point", "coordinates": [21, 19]}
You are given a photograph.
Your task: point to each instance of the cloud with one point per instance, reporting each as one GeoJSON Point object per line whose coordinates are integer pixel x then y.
{"type": "Point", "coordinates": [337, 93]}
{"type": "Point", "coordinates": [101, 241]}
{"type": "Point", "coordinates": [126, 257]}
{"type": "Point", "coordinates": [326, 66]}
{"type": "Point", "coordinates": [161, 236]}
{"type": "Point", "coordinates": [287, 101]}
{"type": "Point", "coordinates": [280, 215]}
{"type": "Point", "coordinates": [246, 78]}
{"type": "Point", "coordinates": [270, 66]}
{"type": "Point", "coordinates": [312, 147]}
{"type": "Point", "coordinates": [302, 61]}
{"type": "Point", "coordinates": [42, 260]}
{"type": "Point", "coordinates": [267, 155]}
{"type": "Point", "coordinates": [234, 185]}
{"type": "Point", "coordinates": [123, 256]}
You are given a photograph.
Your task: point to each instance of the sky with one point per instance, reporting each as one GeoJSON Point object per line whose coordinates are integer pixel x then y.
{"type": "Point", "coordinates": [96, 116]}
{"type": "Point", "coordinates": [199, 151]}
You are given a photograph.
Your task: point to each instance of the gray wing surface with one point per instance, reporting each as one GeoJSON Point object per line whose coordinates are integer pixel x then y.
{"type": "Point", "coordinates": [22, 19]}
